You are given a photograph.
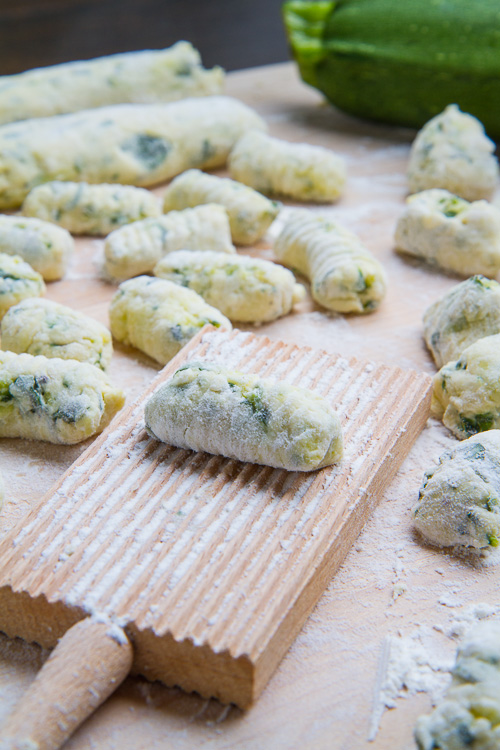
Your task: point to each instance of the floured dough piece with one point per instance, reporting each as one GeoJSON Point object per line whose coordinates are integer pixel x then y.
{"type": "Point", "coordinates": [141, 77]}
{"type": "Point", "coordinates": [466, 393]}
{"type": "Point", "coordinates": [45, 247]}
{"type": "Point", "coordinates": [205, 407]}
{"type": "Point", "coordinates": [159, 317]}
{"type": "Point", "coordinates": [459, 502]}
{"type": "Point", "coordinates": [17, 282]}
{"type": "Point", "coordinates": [469, 716]}
{"type": "Point", "coordinates": [250, 213]}
{"type": "Point", "coordinates": [453, 152]}
{"type": "Point", "coordinates": [90, 209]}
{"type": "Point", "coordinates": [57, 400]}
{"type": "Point", "coordinates": [137, 248]}
{"type": "Point", "coordinates": [294, 170]}
{"type": "Point", "coordinates": [243, 288]}
{"type": "Point", "coordinates": [450, 232]}
{"type": "Point", "coordinates": [344, 275]}
{"type": "Point", "coordinates": [40, 326]}
{"type": "Point", "coordinates": [468, 312]}
{"type": "Point", "coordinates": [132, 144]}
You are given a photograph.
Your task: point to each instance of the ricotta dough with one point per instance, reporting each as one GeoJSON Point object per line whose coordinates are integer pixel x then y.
{"type": "Point", "coordinates": [40, 326]}
{"type": "Point", "coordinates": [469, 716]}
{"type": "Point", "coordinates": [90, 209]}
{"type": "Point", "coordinates": [57, 400]}
{"type": "Point", "coordinates": [141, 77]}
{"type": "Point", "coordinates": [468, 312]}
{"type": "Point", "coordinates": [453, 152]}
{"type": "Point", "coordinates": [250, 213]}
{"type": "Point", "coordinates": [133, 144]}
{"type": "Point", "coordinates": [159, 317]}
{"type": "Point", "coordinates": [344, 275]}
{"type": "Point", "coordinates": [243, 288]}
{"type": "Point", "coordinates": [18, 280]}
{"type": "Point", "coordinates": [45, 247]}
{"type": "Point", "coordinates": [466, 393]}
{"type": "Point", "coordinates": [205, 407]}
{"type": "Point", "coordinates": [459, 501]}
{"type": "Point", "coordinates": [449, 232]}
{"type": "Point", "coordinates": [295, 170]}
{"type": "Point", "coordinates": [137, 248]}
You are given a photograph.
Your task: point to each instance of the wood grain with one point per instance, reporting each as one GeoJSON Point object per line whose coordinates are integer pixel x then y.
{"type": "Point", "coordinates": [211, 565]}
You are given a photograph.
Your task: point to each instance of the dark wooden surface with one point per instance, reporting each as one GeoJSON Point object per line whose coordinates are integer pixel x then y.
{"type": "Point", "coordinates": [232, 33]}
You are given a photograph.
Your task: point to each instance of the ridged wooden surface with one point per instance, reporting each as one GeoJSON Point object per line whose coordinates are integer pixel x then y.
{"type": "Point", "coordinates": [205, 548]}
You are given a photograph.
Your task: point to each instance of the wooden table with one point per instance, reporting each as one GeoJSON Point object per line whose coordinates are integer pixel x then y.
{"type": "Point", "coordinates": [393, 595]}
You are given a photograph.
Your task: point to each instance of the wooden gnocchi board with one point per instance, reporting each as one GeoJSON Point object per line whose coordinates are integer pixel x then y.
{"type": "Point", "coordinates": [210, 565]}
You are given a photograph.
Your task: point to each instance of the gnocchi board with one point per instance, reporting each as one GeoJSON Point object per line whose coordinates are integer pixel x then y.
{"type": "Point", "coordinates": [211, 565]}
{"type": "Point", "coordinates": [392, 590]}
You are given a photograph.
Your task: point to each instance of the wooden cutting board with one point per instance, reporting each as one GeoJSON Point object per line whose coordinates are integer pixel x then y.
{"type": "Point", "coordinates": [210, 565]}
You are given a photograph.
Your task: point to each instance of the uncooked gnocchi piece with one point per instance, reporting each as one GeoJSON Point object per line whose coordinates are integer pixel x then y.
{"type": "Point", "coordinates": [205, 407]}
{"type": "Point", "coordinates": [137, 77]}
{"type": "Point", "coordinates": [459, 502]}
{"type": "Point", "coordinates": [90, 209]}
{"type": "Point", "coordinates": [137, 248]}
{"type": "Point", "coordinates": [17, 282]}
{"type": "Point", "coordinates": [40, 326]}
{"type": "Point", "coordinates": [344, 275]}
{"type": "Point", "coordinates": [132, 144]}
{"type": "Point", "coordinates": [45, 247]}
{"type": "Point", "coordinates": [159, 317]}
{"type": "Point", "coordinates": [2, 492]}
{"type": "Point", "coordinates": [468, 312]}
{"type": "Point", "coordinates": [57, 400]}
{"type": "Point", "coordinates": [469, 716]}
{"type": "Point", "coordinates": [453, 152]}
{"type": "Point", "coordinates": [449, 232]}
{"type": "Point", "coordinates": [466, 394]}
{"type": "Point", "coordinates": [243, 288]}
{"type": "Point", "coordinates": [295, 170]}
{"type": "Point", "coordinates": [250, 213]}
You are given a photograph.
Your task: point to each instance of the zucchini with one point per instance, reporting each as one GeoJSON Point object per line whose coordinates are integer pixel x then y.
{"type": "Point", "coordinates": [400, 62]}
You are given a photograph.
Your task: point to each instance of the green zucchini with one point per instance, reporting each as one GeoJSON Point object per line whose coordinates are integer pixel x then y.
{"type": "Point", "coordinates": [400, 62]}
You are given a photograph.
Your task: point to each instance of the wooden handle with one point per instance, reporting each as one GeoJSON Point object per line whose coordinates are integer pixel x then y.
{"type": "Point", "coordinates": [87, 665]}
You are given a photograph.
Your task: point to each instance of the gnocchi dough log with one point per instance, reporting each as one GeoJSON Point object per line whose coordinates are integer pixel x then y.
{"type": "Point", "coordinates": [90, 209]}
{"type": "Point", "coordinates": [250, 213]}
{"type": "Point", "coordinates": [466, 393]}
{"type": "Point", "coordinates": [207, 408]}
{"type": "Point", "coordinates": [459, 502]}
{"type": "Point", "coordinates": [468, 312]}
{"type": "Point", "coordinates": [40, 326]}
{"type": "Point", "coordinates": [60, 401]}
{"type": "Point", "coordinates": [45, 247]}
{"type": "Point", "coordinates": [17, 282]}
{"type": "Point", "coordinates": [344, 276]}
{"type": "Point", "coordinates": [451, 233]}
{"type": "Point", "coordinates": [136, 77]}
{"type": "Point", "coordinates": [294, 170]}
{"type": "Point", "coordinates": [136, 249]}
{"type": "Point", "coordinates": [243, 288]}
{"type": "Point", "coordinates": [469, 716]}
{"type": "Point", "coordinates": [133, 144]}
{"type": "Point", "coordinates": [158, 317]}
{"type": "Point", "coordinates": [453, 152]}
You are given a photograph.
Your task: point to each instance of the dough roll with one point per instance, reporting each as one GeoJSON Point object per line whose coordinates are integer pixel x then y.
{"type": "Point", "coordinates": [132, 144]}
{"type": "Point", "coordinates": [57, 400]}
{"type": "Point", "coordinates": [246, 289]}
{"type": "Point", "coordinates": [90, 209]}
{"type": "Point", "coordinates": [136, 77]}
{"type": "Point", "coordinates": [137, 248]}
{"type": "Point", "coordinates": [205, 407]}
{"type": "Point", "coordinates": [344, 275]}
